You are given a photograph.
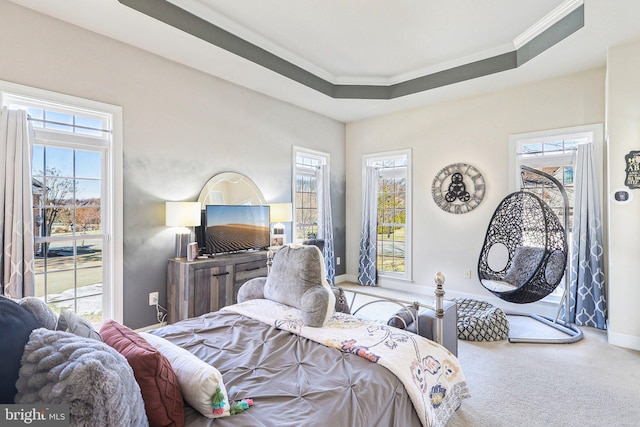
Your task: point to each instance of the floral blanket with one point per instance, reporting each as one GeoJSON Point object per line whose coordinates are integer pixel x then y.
{"type": "Point", "coordinates": [430, 373]}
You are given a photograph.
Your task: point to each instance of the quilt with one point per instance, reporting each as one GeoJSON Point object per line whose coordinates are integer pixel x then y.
{"type": "Point", "coordinates": [431, 375]}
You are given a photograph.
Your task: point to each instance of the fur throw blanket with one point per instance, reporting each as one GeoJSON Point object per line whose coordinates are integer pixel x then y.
{"type": "Point", "coordinates": [92, 378]}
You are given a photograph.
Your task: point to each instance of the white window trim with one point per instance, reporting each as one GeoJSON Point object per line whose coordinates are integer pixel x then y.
{"type": "Point", "coordinates": [113, 176]}
{"type": "Point", "coordinates": [367, 159]}
{"type": "Point", "coordinates": [324, 158]}
{"type": "Point", "coordinates": [594, 133]}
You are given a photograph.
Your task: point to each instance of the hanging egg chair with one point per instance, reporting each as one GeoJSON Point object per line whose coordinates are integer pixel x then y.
{"type": "Point", "coordinates": [524, 255]}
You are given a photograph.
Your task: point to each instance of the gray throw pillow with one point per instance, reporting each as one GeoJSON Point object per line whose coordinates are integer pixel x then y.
{"type": "Point", "coordinates": [71, 322]}
{"type": "Point", "coordinates": [295, 271]}
{"type": "Point", "coordinates": [252, 289]}
{"type": "Point", "coordinates": [556, 265]}
{"type": "Point", "coordinates": [41, 311]}
{"type": "Point", "coordinates": [403, 318]}
{"type": "Point", "coordinates": [526, 260]}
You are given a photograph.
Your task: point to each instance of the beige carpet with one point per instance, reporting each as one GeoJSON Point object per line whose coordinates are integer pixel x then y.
{"type": "Point", "coordinates": [588, 383]}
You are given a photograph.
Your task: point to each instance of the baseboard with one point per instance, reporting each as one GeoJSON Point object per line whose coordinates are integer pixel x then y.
{"type": "Point", "coordinates": [623, 340]}
{"type": "Point", "coordinates": [344, 278]}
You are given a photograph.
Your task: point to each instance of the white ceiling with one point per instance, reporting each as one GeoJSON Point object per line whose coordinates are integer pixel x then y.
{"type": "Point", "coordinates": [364, 42]}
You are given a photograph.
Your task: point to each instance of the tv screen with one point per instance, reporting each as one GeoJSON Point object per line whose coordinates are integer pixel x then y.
{"type": "Point", "coordinates": [233, 228]}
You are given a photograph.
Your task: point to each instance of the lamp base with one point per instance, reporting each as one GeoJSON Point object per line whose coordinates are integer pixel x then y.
{"type": "Point", "coordinates": [182, 240]}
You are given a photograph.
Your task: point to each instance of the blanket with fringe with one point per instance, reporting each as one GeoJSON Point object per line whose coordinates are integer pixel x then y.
{"type": "Point", "coordinates": [92, 378]}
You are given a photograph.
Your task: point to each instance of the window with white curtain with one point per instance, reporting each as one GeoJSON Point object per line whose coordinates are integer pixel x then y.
{"type": "Point", "coordinates": [75, 171]}
{"type": "Point", "coordinates": [305, 201]}
{"type": "Point", "coordinates": [393, 193]}
{"type": "Point", "coordinates": [552, 152]}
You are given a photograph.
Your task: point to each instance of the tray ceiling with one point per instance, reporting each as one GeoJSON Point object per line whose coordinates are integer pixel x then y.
{"type": "Point", "coordinates": [353, 59]}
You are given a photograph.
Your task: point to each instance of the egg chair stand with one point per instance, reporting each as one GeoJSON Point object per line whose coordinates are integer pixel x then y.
{"type": "Point", "coordinates": [536, 244]}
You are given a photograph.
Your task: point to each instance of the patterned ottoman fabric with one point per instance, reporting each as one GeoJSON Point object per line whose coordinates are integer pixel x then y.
{"type": "Point", "coordinates": [481, 321]}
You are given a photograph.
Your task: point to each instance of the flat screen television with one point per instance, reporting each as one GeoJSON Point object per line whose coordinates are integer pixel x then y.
{"type": "Point", "coordinates": [234, 228]}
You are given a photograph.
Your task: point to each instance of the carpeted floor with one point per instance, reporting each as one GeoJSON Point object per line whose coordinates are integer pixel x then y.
{"type": "Point", "coordinates": [585, 384]}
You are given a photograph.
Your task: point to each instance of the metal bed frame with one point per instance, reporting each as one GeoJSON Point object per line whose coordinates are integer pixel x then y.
{"type": "Point", "coordinates": [407, 305]}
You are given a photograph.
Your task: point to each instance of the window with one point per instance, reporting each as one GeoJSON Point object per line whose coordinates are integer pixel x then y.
{"type": "Point", "coordinates": [554, 153]}
{"type": "Point", "coordinates": [393, 194]}
{"type": "Point", "coordinates": [306, 219]}
{"type": "Point", "coordinates": [73, 180]}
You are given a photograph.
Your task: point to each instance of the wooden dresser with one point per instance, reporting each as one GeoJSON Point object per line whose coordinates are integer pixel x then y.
{"type": "Point", "coordinates": [205, 285]}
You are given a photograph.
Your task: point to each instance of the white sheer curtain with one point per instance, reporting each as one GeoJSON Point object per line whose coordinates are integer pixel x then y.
{"type": "Point", "coordinates": [367, 265]}
{"type": "Point", "coordinates": [587, 286]}
{"type": "Point", "coordinates": [16, 214]}
{"type": "Point", "coordinates": [325, 228]}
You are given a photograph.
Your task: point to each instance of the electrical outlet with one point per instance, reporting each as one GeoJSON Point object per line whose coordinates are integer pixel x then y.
{"type": "Point", "coordinates": [153, 298]}
{"type": "Point", "coordinates": [338, 260]}
{"type": "Point", "coordinates": [467, 274]}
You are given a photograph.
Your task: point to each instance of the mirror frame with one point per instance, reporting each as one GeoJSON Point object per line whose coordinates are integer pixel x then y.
{"type": "Point", "coordinates": [209, 193]}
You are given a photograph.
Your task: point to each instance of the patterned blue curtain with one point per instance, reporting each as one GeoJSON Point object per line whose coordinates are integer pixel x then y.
{"type": "Point", "coordinates": [587, 287]}
{"type": "Point", "coordinates": [367, 266]}
{"type": "Point", "coordinates": [325, 226]}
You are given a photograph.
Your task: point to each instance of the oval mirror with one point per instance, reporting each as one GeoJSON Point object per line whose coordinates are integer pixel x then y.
{"type": "Point", "coordinates": [230, 188]}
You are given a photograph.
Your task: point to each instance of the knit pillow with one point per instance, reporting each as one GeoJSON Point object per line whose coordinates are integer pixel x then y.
{"type": "Point", "coordinates": [160, 389]}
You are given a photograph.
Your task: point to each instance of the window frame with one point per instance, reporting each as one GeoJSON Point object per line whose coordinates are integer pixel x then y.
{"type": "Point", "coordinates": [323, 159]}
{"type": "Point", "coordinates": [112, 185]}
{"type": "Point", "coordinates": [592, 133]}
{"type": "Point", "coordinates": [369, 160]}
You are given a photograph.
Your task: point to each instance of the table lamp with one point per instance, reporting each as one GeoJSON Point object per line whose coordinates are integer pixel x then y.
{"type": "Point", "coordinates": [183, 214]}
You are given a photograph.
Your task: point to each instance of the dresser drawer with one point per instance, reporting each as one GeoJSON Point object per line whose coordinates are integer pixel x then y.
{"type": "Point", "coordinates": [246, 271]}
{"type": "Point", "coordinates": [249, 270]}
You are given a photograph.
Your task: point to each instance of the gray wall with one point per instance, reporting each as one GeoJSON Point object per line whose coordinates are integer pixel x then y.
{"type": "Point", "coordinates": [180, 128]}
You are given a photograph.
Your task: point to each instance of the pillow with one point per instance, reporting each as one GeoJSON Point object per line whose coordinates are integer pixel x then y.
{"type": "Point", "coordinates": [252, 289]}
{"type": "Point", "coordinates": [71, 322]}
{"type": "Point", "coordinates": [402, 318]}
{"type": "Point", "coordinates": [41, 311]}
{"type": "Point", "coordinates": [498, 285]}
{"type": "Point", "coordinates": [556, 264]}
{"type": "Point", "coordinates": [160, 389]}
{"type": "Point", "coordinates": [297, 279]}
{"type": "Point", "coordinates": [342, 305]}
{"type": "Point", "coordinates": [523, 265]}
{"type": "Point", "coordinates": [16, 323]}
{"type": "Point", "coordinates": [200, 382]}
{"type": "Point", "coordinates": [93, 379]}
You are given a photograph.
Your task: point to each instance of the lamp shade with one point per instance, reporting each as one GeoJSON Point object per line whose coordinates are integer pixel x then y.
{"type": "Point", "coordinates": [183, 214]}
{"type": "Point", "coordinates": [281, 212]}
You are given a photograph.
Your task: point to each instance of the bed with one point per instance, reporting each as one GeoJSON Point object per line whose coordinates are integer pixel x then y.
{"type": "Point", "coordinates": [283, 352]}
{"type": "Point", "coordinates": [262, 352]}
{"type": "Point", "coordinates": [303, 363]}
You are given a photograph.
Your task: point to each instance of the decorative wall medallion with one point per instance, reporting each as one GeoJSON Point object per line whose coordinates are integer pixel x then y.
{"type": "Point", "coordinates": [458, 188]}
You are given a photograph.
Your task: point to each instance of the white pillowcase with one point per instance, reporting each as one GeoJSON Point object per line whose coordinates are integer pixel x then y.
{"type": "Point", "coordinates": [198, 380]}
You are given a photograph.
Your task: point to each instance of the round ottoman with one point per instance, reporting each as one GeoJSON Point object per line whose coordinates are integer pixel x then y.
{"type": "Point", "coordinates": [481, 321]}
